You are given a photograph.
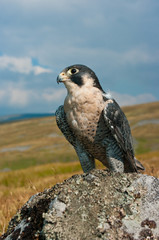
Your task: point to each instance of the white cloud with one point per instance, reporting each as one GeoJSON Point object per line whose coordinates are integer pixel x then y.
{"type": "Point", "coordinates": [54, 94]}
{"type": "Point", "coordinates": [17, 96]}
{"type": "Point", "coordinates": [126, 99]}
{"type": "Point", "coordinates": [38, 70]}
{"type": "Point", "coordinates": [21, 65]}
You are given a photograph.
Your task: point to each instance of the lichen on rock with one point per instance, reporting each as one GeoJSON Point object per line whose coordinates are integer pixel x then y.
{"type": "Point", "coordinates": [98, 205]}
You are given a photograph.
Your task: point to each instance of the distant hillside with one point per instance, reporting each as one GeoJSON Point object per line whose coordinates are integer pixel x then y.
{"type": "Point", "coordinates": [37, 140]}
{"type": "Point", "coordinates": [19, 117]}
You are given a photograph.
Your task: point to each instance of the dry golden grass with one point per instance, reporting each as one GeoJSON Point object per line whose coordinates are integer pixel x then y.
{"type": "Point", "coordinates": [140, 112]}
{"type": "Point", "coordinates": [151, 163]}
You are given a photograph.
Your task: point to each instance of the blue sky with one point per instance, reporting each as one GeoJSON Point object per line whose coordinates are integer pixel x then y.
{"type": "Point", "coordinates": [118, 39]}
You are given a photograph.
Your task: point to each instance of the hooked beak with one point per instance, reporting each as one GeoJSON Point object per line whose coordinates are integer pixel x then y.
{"type": "Point", "coordinates": [62, 77]}
{"type": "Point", "coordinates": [59, 79]}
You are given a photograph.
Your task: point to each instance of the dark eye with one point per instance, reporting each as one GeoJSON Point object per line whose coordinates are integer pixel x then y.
{"type": "Point", "coordinates": [73, 71]}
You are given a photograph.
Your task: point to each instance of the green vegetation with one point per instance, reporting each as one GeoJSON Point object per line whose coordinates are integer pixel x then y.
{"type": "Point", "coordinates": [20, 178]}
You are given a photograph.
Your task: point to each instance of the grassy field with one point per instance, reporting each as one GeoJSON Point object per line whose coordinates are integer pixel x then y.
{"type": "Point", "coordinates": [34, 155]}
{"type": "Point", "coordinates": [41, 139]}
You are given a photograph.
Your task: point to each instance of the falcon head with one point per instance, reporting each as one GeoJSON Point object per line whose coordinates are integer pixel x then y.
{"type": "Point", "coordinates": [78, 76]}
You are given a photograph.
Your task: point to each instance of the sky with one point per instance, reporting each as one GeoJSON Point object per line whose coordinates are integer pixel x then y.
{"type": "Point", "coordinates": [118, 40]}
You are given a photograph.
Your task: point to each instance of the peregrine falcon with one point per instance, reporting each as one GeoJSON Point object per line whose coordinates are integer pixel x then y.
{"type": "Point", "coordinates": [94, 123]}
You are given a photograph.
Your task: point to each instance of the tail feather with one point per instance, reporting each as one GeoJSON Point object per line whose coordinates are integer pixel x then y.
{"type": "Point", "coordinates": [139, 165]}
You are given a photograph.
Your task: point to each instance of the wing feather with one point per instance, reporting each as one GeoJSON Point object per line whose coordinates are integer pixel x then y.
{"type": "Point", "coordinates": [63, 125]}
{"type": "Point", "coordinates": [117, 122]}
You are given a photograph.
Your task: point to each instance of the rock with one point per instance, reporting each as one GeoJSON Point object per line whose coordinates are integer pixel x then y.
{"type": "Point", "coordinates": [98, 205]}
